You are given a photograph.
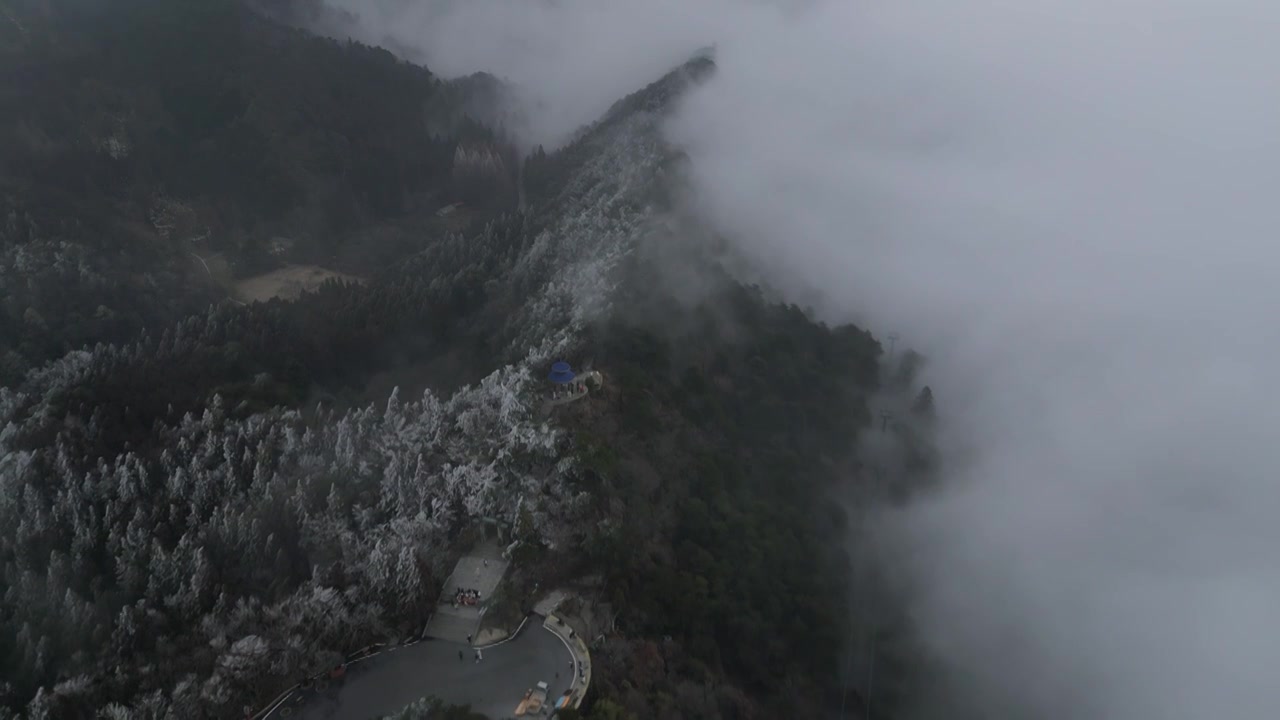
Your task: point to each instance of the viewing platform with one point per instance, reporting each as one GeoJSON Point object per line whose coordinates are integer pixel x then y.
{"type": "Point", "coordinates": [567, 386]}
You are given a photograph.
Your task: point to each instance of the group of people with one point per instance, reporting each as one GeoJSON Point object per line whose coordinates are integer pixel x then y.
{"type": "Point", "coordinates": [566, 391]}
{"type": "Point", "coordinates": [465, 596]}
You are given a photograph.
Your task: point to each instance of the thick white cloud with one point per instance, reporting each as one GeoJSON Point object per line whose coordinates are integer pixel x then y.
{"type": "Point", "coordinates": [1073, 207]}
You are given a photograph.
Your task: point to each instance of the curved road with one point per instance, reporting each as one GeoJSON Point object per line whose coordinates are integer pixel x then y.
{"type": "Point", "coordinates": [387, 682]}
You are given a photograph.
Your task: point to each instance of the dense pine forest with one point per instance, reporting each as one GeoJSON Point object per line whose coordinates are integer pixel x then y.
{"type": "Point", "coordinates": [144, 140]}
{"type": "Point", "coordinates": [202, 498]}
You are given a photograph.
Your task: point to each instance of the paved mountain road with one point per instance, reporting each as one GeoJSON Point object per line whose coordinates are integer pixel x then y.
{"type": "Point", "coordinates": [387, 682]}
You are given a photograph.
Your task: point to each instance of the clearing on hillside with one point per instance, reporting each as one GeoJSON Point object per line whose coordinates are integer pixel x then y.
{"type": "Point", "coordinates": [287, 283]}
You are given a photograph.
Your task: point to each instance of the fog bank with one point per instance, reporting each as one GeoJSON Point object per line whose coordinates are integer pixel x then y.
{"type": "Point", "coordinates": [568, 59]}
{"type": "Point", "coordinates": [1070, 206]}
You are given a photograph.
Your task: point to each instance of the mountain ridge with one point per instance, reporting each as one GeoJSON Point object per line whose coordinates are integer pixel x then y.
{"type": "Point", "coordinates": [199, 514]}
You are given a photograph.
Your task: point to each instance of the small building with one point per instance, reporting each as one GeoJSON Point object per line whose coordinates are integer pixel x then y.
{"type": "Point", "coordinates": [566, 385]}
{"type": "Point", "coordinates": [280, 246]}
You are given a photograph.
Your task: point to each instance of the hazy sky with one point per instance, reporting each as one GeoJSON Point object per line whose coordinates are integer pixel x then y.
{"type": "Point", "coordinates": [1071, 206]}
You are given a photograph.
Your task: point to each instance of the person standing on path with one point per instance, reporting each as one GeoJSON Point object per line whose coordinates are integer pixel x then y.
{"type": "Point", "coordinates": [468, 639]}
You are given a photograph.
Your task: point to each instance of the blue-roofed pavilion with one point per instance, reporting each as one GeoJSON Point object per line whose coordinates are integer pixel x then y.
{"type": "Point", "coordinates": [561, 373]}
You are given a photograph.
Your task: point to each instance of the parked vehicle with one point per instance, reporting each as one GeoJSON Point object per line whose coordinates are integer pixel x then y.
{"type": "Point", "coordinates": [534, 701]}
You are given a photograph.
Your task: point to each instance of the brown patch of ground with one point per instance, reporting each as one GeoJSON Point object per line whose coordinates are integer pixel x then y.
{"type": "Point", "coordinates": [287, 283]}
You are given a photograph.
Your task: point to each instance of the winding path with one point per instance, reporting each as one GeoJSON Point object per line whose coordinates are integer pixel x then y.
{"type": "Point", "coordinates": [386, 682]}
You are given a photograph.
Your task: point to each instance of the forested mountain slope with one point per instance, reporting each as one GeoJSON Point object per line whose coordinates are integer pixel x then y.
{"type": "Point", "coordinates": [144, 143]}
{"type": "Point", "coordinates": [195, 515]}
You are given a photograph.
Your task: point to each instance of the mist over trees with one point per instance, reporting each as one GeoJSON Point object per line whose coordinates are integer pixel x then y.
{"type": "Point", "coordinates": [202, 501]}
{"type": "Point", "coordinates": [142, 139]}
